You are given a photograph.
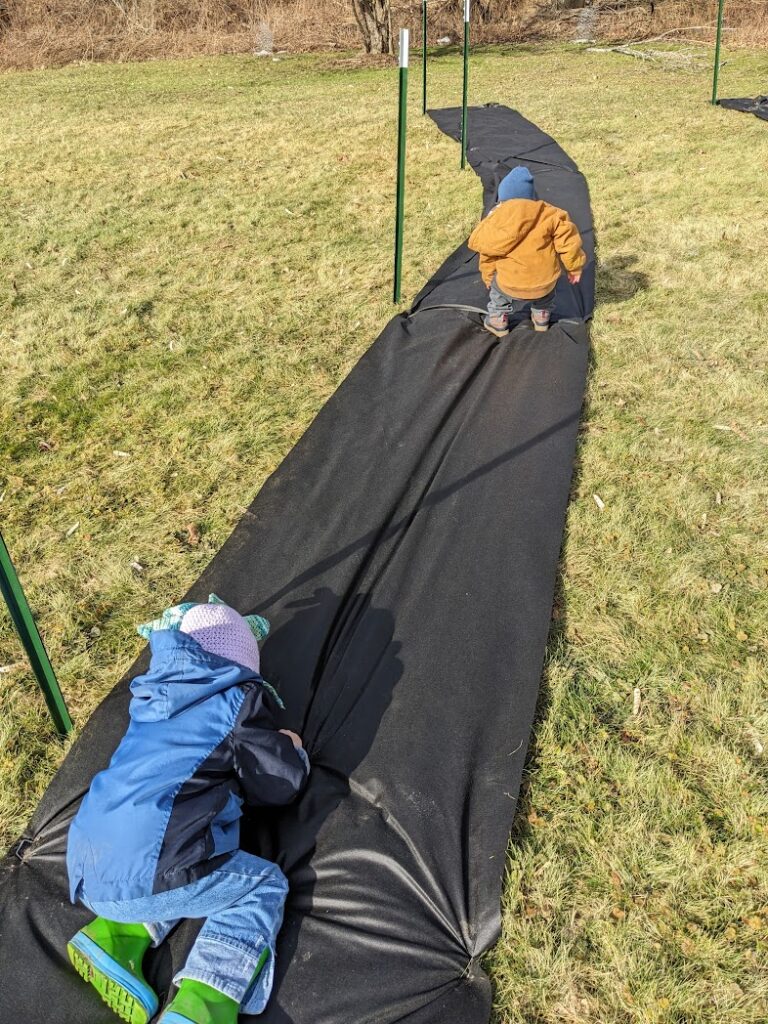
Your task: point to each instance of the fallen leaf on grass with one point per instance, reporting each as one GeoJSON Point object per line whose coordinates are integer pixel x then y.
{"type": "Point", "coordinates": [732, 430]}
{"type": "Point", "coordinates": [636, 700]}
{"type": "Point", "coordinates": [756, 742]}
{"type": "Point", "coordinates": [71, 530]}
{"type": "Point", "coordinates": [137, 567]}
{"type": "Point", "coordinates": [715, 587]}
{"type": "Point", "coordinates": [598, 501]}
{"type": "Point", "coordinates": [618, 914]}
{"type": "Point", "coordinates": [193, 534]}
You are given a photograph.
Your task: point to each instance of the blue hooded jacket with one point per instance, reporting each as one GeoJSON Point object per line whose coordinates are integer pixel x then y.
{"type": "Point", "coordinates": [202, 741]}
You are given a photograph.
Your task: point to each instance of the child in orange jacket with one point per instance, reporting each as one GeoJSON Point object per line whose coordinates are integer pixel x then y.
{"type": "Point", "coordinates": [524, 243]}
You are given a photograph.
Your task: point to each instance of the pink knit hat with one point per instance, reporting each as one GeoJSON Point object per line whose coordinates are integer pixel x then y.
{"type": "Point", "coordinates": [221, 630]}
{"type": "Point", "coordinates": [218, 629]}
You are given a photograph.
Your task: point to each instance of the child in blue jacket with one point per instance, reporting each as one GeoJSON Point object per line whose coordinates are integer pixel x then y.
{"type": "Point", "coordinates": [156, 838]}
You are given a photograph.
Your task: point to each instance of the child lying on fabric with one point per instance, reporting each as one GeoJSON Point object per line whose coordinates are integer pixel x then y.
{"type": "Point", "coordinates": [522, 243]}
{"type": "Point", "coordinates": [156, 838]}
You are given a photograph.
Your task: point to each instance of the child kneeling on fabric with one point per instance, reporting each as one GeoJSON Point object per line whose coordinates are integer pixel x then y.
{"type": "Point", "coordinates": [522, 243]}
{"type": "Point", "coordinates": [156, 838]}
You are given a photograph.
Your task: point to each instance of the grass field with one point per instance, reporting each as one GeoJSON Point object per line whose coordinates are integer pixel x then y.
{"type": "Point", "coordinates": [194, 254]}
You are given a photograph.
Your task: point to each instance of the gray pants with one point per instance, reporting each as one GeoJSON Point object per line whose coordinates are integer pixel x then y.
{"type": "Point", "coordinates": [500, 304]}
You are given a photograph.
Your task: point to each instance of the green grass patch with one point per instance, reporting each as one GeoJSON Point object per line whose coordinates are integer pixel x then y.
{"type": "Point", "coordinates": [193, 255]}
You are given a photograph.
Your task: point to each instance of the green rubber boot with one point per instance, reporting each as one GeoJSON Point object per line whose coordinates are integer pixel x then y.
{"type": "Point", "coordinates": [108, 955]}
{"type": "Point", "coordinates": [196, 1003]}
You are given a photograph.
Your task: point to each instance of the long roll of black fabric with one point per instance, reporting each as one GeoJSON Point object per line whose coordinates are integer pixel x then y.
{"type": "Point", "coordinates": [757, 105]}
{"type": "Point", "coordinates": [406, 553]}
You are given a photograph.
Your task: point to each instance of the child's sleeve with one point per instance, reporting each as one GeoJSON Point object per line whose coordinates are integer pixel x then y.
{"type": "Point", "coordinates": [494, 237]}
{"type": "Point", "coordinates": [567, 242]}
{"type": "Point", "coordinates": [487, 269]}
{"type": "Point", "coordinates": [270, 770]}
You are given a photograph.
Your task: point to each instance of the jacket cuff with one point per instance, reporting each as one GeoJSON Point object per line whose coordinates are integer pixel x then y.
{"type": "Point", "coordinates": [304, 757]}
{"type": "Point", "coordinates": [573, 266]}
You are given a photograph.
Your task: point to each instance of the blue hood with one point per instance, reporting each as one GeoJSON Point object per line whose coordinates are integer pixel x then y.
{"type": "Point", "coordinates": [181, 674]}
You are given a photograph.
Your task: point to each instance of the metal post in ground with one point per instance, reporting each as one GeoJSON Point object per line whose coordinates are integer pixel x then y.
{"type": "Point", "coordinates": [423, 56]}
{"type": "Point", "coordinates": [401, 127]}
{"type": "Point", "coordinates": [718, 40]}
{"type": "Point", "coordinates": [23, 620]}
{"type": "Point", "coordinates": [465, 87]}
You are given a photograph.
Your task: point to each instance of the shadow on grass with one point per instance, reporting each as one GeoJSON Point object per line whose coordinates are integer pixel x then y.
{"type": "Point", "coordinates": [617, 281]}
{"type": "Point", "coordinates": [455, 48]}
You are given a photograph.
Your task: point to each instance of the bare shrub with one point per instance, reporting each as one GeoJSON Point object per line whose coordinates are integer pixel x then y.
{"type": "Point", "coordinates": [746, 20]}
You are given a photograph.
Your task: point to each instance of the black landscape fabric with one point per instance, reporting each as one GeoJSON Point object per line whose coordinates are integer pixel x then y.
{"type": "Point", "coordinates": [406, 553]}
{"type": "Point", "coordinates": [757, 106]}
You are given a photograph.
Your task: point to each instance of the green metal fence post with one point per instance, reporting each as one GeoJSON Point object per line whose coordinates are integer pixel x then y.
{"type": "Point", "coordinates": [423, 56]}
{"type": "Point", "coordinates": [465, 87]}
{"type": "Point", "coordinates": [401, 126]}
{"type": "Point", "coordinates": [718, 40]}
{"type": "Point", "coordinates": [23, 620]}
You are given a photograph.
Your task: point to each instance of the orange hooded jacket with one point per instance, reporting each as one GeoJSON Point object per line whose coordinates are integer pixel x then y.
{"type": "Point", "coordinates": [522, 242]}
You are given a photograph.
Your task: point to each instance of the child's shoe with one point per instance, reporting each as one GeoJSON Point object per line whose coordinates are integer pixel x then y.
{"type": "Point", "coordinates": [196, 1003]}
{"type": "Point", "coordinates": [540, 318]}
{"type": "Point", "coordinates": [497, 324]}
{"type": "Point", "coordinates": [108, 956]}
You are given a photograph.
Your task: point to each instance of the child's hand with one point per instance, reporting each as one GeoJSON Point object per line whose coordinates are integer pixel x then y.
{"type": "Point", "coordinates": [295, 738]}
{"type": "Point", "coordinates": [574, 277]}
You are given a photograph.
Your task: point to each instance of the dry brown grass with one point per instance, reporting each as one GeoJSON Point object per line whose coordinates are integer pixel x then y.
{"type": "Point", "coordinates": [40, 33]}
{"type": "Point", "coordinates": [746, 21]}
{"type": "Point", "coordinates": [151, 218]}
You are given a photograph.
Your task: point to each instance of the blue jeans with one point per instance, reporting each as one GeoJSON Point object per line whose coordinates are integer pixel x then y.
{"type": "Point", "coordinates": [500, 304]}
{"type": "Point", "coordinates": [242, 902]}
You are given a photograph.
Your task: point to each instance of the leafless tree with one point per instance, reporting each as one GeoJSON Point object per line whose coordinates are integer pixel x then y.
{"type": "Point", "coordinates": [375, 20]}
{"type": "Point", "coordinates": [483, 8]}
